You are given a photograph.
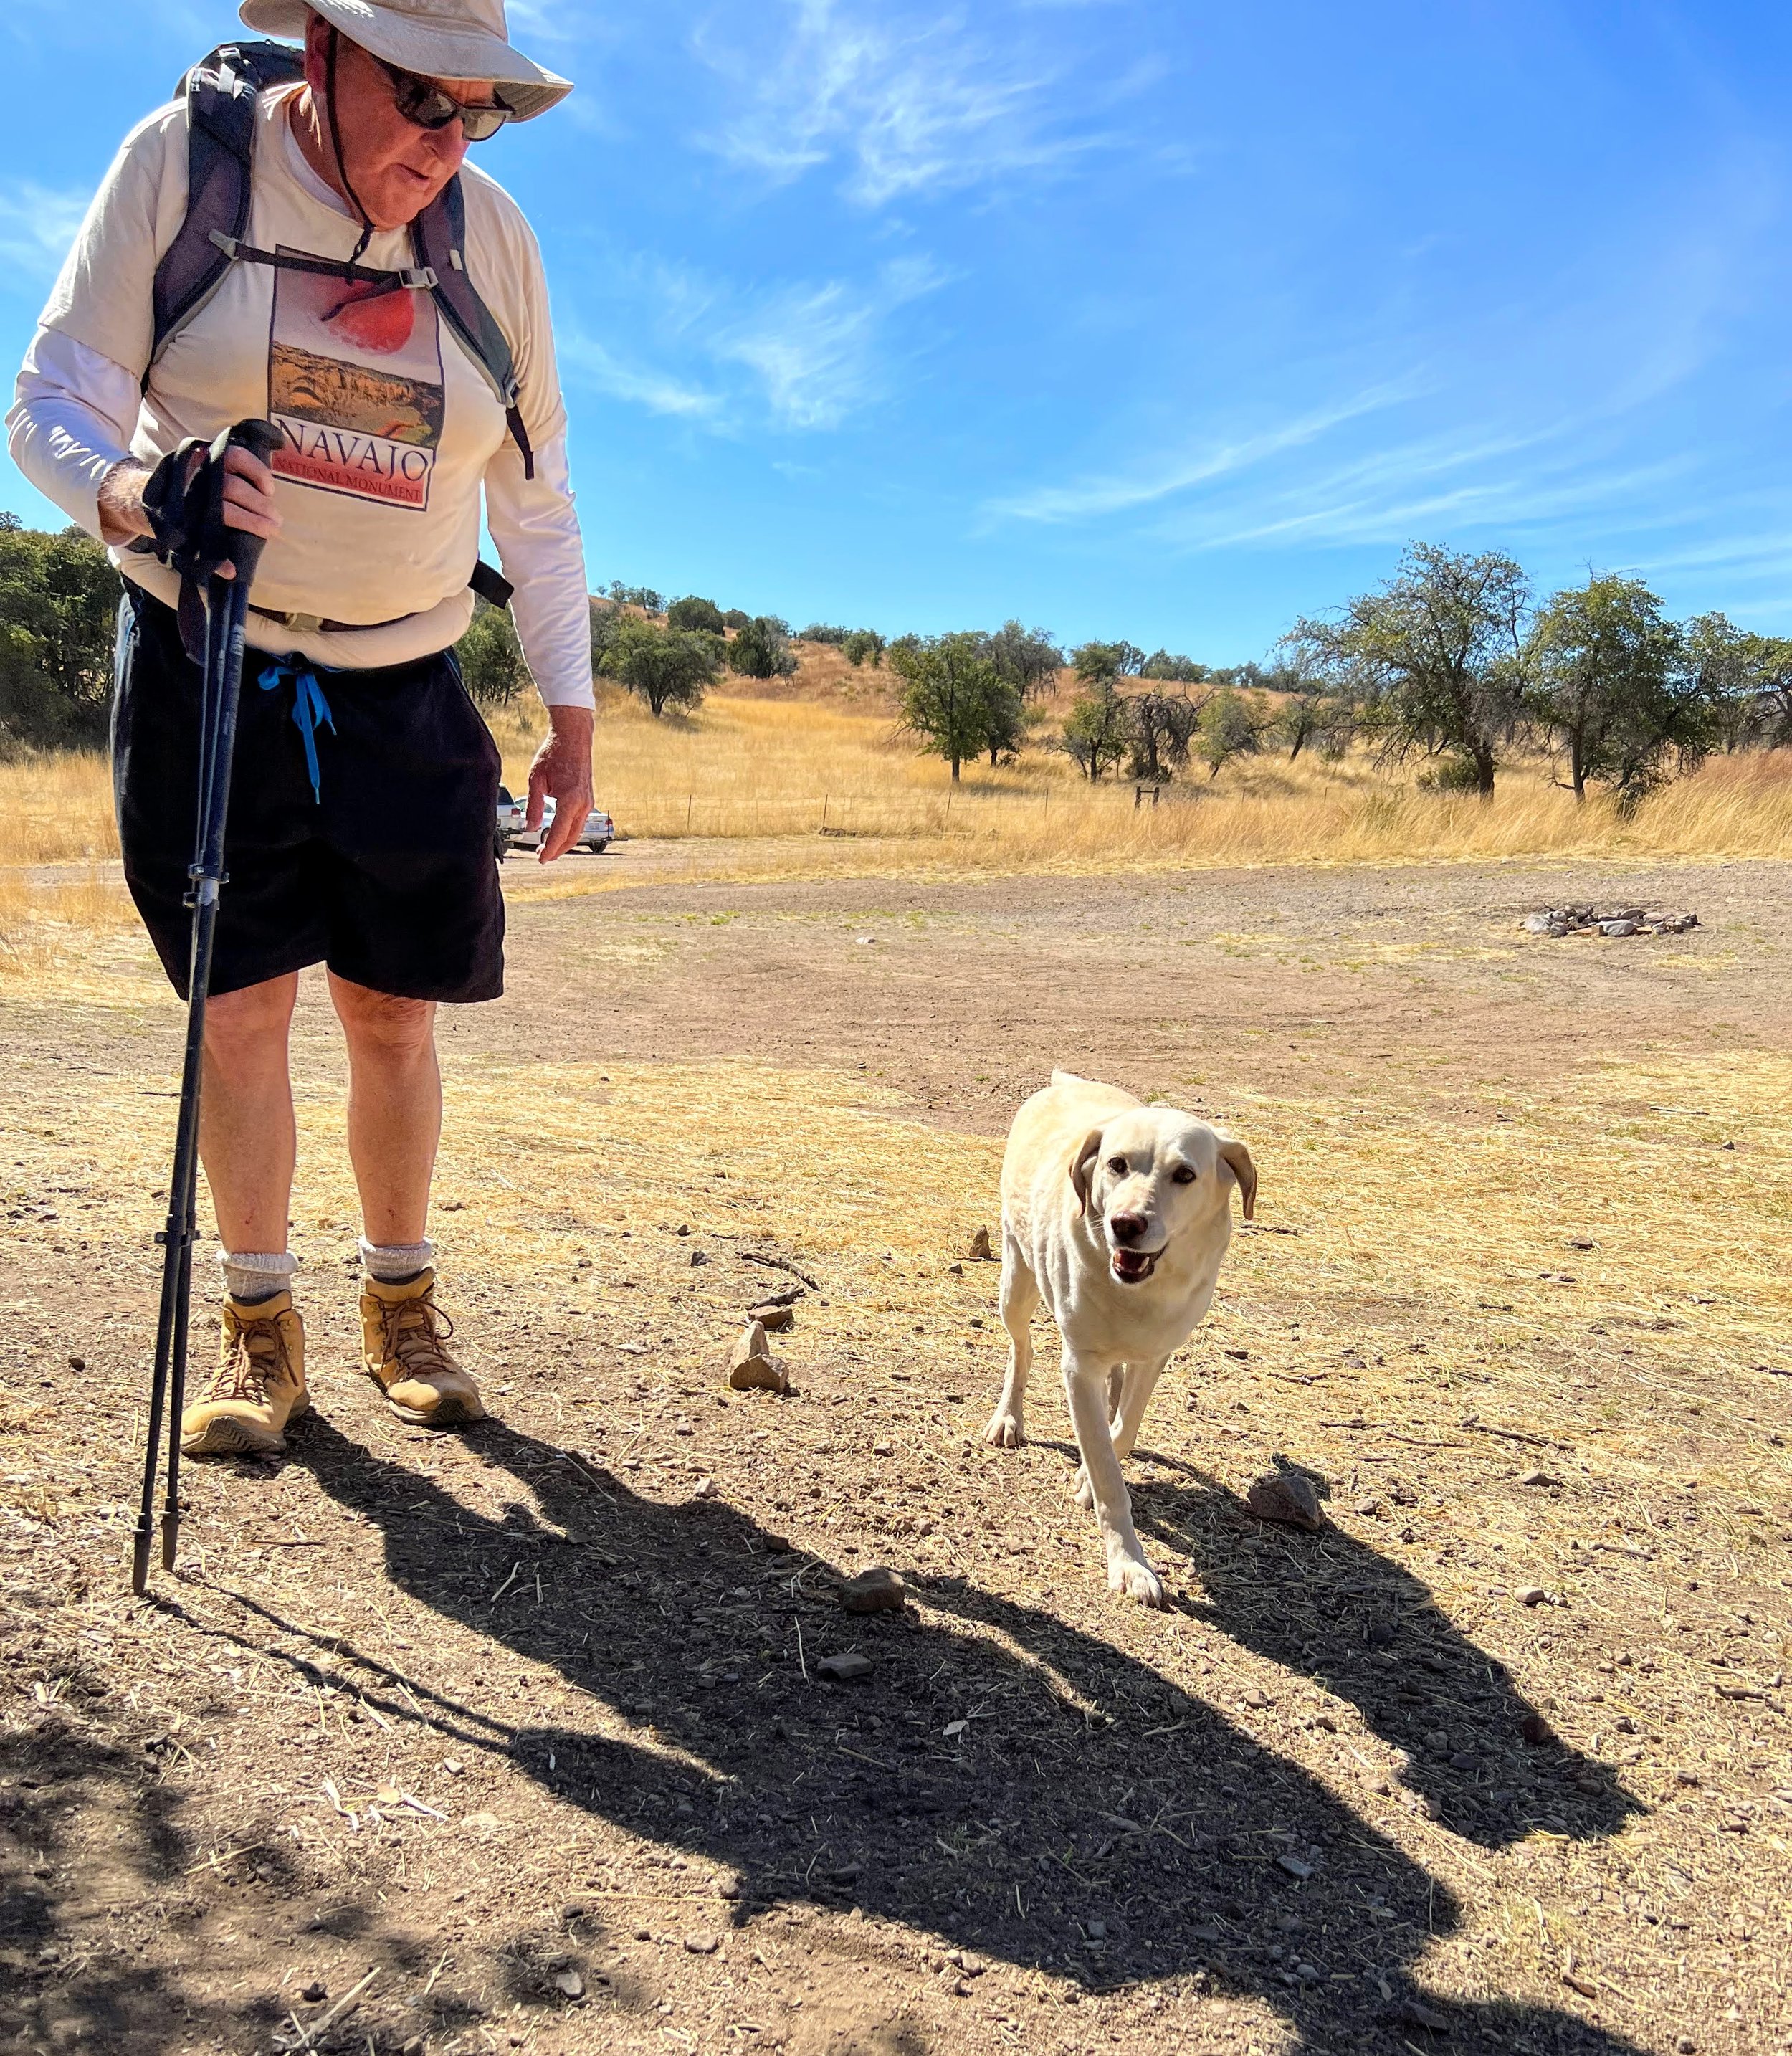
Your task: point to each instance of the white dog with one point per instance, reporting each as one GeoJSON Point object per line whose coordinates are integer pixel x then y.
{"type": "Point", "coordinates": [1118, 1215]}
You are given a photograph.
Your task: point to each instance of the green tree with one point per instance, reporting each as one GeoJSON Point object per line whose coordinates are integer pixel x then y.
{"type": "Point", "coordinates": [1609, 684]}
{"type": "Point", "coordinates": [642, 596]}
{"type": "Point", "coordinates": [665, 666]}
{"type": "Point", "coordinates": [1435, 659]}
{"type": "Point", "coordinates": [863, 643]}
{"type": "Point", "coordinates": [762, 650]}
{"type": "Point", "coordinates": [491, 657]}
{"type": "Point", "coordinates": [954, 698]}
{"type": "Point", "coordinates": [58, 625]}
{"type": "Point", "coordinates": [1028, 658]}
{"type": "Point", "coordinates": [691, 612]}
{"type": "Point", "coordinates": [1769, 660]}
{"type": "Point", "coordinates": [819, 631]}
{"type": "Point", "coordinates": [1098, 728]}
{"type": "Point", "coordinates": [1093, 662]}
{"type": "Point", "coordinates": [1230, 725]}
{"type": "Point", "coordinates": [1173, 669]}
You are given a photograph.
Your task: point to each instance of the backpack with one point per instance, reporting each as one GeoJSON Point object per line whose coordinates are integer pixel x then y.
{"type": "Point", "coordinates": [220, 92]}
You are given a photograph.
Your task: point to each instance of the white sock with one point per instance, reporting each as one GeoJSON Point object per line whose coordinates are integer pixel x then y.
{"type": "Point", "coordinates": [257, 1275]}
{"type": "Point", "coordinates": [397, 1263]}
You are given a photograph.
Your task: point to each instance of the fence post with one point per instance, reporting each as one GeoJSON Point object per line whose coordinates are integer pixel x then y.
{"type": "Point", "coordinates": [824, 813]}
{"type": "Point", "coordinates": [690, 801]}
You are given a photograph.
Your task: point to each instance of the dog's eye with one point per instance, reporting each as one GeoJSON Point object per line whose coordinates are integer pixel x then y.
{"type": "Point", "coordinates": [1185, 1175]}
{"type": "Point", "coordinates": [1117, 1165]}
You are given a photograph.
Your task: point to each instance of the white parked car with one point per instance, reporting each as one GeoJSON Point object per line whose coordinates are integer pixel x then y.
{"type": "Point", "coordinates": [509, 824]}
{"type": "Point", "coordinates": [600, 830]}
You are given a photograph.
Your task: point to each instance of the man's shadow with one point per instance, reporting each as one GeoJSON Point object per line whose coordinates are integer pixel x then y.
{"type": "Point", "coordinates": [1483, 1759]}
{"type": "Point", "coordinates": [1043, 1799]}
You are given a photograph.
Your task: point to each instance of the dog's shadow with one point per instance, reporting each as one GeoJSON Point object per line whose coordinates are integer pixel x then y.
{"type": "Point", "coordinates": [1001, 1778]}
{"type": "Point", "coordinates": [1483, 1760]}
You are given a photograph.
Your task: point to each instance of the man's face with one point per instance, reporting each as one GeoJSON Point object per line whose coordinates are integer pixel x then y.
{"type": "Point", "coordinates": [396, 168]}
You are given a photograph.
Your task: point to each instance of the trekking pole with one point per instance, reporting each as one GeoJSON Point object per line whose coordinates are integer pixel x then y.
{"type": "Point", "coordinates": [227, 603]}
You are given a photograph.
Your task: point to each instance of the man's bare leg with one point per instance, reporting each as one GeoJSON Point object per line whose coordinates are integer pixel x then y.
{"type": "Point", "coordinates": [394, 1108]}
{"type": "Point", "coordinates": [248, 1140]}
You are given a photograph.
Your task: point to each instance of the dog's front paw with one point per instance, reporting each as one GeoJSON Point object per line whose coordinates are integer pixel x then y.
{"type": "Point", "coordinates": [1135, 1580]}
{"type": "Point", "coordinates": [1006, 1429]}
{"type": "Point", "coordinates": [1082, 1491]}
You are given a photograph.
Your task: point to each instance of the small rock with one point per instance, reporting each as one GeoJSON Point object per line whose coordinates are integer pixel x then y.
{"type": "Point", "coordinates": [1537, 1477]}
{"type": "Point", "coordinates": [1464, 1760]}
{"type": "Point", "coordinates": [1368, 1506]}
{"type": "Point", "coordinates": [1288, 1498]}
{"type": "Point", "coordinates": [773, 1318]}
{"type": "Point", "coordinates": [1294, 1866]}
{"type": "Point", "coordinates": [702, 1945]}
{"type": "Point", "coordinates": [1530, 1595]}
{"type": "Point", "coordinates": [698, 1256]}
{"type": "Point", "coordinates": [1618, 928]}
{"type": "Point", "coordinates": [979, 1252]}
{"type": "Point", "coordinates": [1097, 1930]}
{"type": "Point", "coordinates": [751, 1366]}
{"type": "Point", "coordinates": [316, 1993]}
{"type": "Point", "coordinates": [843, 1669]}
{"type": "Point", "coordinates": [1535, 1728]}
{"type": "Point", "coordinates": [879, 1590]}
{"type": "Point", "coordinates": [570, 1983]}
{"type": "Point", "coordinates": [1542, 924]}
{"type": "Point", "coordinates": [1685, 2046]}
{"type": "Point", "coordinates": [760, 1373]}
{"type": "Point", "coordinates": [704, 1489]}
{"type": "Point", "coordinates": [1410, 2012]}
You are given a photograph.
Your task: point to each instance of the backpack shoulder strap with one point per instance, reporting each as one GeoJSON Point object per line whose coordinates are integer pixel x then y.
{"type": "Point", "coordinates": [439, 237]}
{"type": "Point", "coordinates": [220, 92]}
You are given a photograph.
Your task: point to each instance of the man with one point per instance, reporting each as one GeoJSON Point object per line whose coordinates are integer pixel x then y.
{"type": "Point", "coordinates": [363, 801]}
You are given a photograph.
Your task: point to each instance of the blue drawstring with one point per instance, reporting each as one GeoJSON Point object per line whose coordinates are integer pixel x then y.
{"type": "Point", "coordinates": [310, 710]}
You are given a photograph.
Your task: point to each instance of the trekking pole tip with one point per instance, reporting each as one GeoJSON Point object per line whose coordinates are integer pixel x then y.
{"type": "Point", "coordinates": [140, 1562]}
{"type": "Point", "coordinates": [171, 1538]}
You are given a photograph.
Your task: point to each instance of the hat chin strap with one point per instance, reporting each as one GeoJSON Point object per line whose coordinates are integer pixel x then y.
{"type": "Point", "coordinates": [336, 149]}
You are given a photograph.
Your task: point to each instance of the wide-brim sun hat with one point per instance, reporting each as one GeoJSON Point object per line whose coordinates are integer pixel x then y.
{"type": "Point", "coordinates": [447, 39]}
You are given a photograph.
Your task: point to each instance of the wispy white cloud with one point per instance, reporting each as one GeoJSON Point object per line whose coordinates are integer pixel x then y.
{"type": "Point", "coordinates": [911, 104]}
{"type": "Point", "coordinates": [804, 355]}
{"type": "Point", "coordinates": [816, 350]}
{"type": "Point", "coordinates": [38, 224]}
{"type": "Point", "coordinates": [589, 363]}
{"type": "Point", "coordinates": [1089, 498]}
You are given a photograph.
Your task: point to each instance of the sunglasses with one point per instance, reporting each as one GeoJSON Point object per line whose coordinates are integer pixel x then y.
{"type": "Point", "coordinates": [424, 104]}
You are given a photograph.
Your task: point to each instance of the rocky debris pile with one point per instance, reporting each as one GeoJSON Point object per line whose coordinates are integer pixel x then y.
{"type": "Point", "coordinates": [1614, 921]}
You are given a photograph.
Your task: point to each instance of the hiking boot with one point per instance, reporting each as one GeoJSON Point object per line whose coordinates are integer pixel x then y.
{"type": "Point", "coordinates": [404, 1336]}
{"type": "Point", "coordinates": [260, 1384]}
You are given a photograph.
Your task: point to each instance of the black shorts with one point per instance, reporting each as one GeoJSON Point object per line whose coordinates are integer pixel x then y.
{"type": "Point", "coordinates": [388, 875]}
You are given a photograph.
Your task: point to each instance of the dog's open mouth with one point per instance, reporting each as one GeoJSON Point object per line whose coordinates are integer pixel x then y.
{"type": "Point", "coordinates": [1133, 1267]}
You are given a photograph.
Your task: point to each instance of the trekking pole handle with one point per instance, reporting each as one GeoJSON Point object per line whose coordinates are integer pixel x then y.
{"type": "Point", "coordinates": [261, 439]}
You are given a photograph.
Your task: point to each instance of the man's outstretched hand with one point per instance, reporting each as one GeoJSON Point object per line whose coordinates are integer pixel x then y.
{"type": "Point", "coordinates": [561, 772]}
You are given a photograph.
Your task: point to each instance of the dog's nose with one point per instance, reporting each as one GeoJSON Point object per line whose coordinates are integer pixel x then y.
{"type": "Point", "coordinates": [1127, 1228]}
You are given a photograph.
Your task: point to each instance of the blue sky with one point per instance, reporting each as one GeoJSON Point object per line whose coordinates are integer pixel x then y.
{"type": "Point", "coordinates": [1142, 318]}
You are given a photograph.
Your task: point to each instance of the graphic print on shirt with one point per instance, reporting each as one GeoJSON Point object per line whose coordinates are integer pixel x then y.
{"type": "Point", "coordinates": [355, 384]}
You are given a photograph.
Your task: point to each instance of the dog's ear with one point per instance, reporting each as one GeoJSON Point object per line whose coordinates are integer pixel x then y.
{"type": "Point", "coordinates": [1080, 1168]}
{"type": "Point", "coordinates": [1238, 1159]}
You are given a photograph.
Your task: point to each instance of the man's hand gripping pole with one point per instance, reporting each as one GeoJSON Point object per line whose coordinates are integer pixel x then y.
{"type": "Point", "coordinates": [186, 503]}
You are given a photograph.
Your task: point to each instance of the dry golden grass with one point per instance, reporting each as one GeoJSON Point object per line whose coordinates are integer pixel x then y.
{"type": "Point", "coordinates": [753, 770]}
{"type": "Point", "coordinates": [821, 789]}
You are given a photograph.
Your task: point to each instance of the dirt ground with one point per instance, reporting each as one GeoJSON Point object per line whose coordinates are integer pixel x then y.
{"type": "Point", "coordinates": [519, 1739]}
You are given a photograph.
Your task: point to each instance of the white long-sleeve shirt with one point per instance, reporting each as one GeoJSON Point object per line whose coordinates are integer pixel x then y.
{"type": "Point", "coordinates": [392, 434]}
{"type": "Point", "coordinates": [75, 412]}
